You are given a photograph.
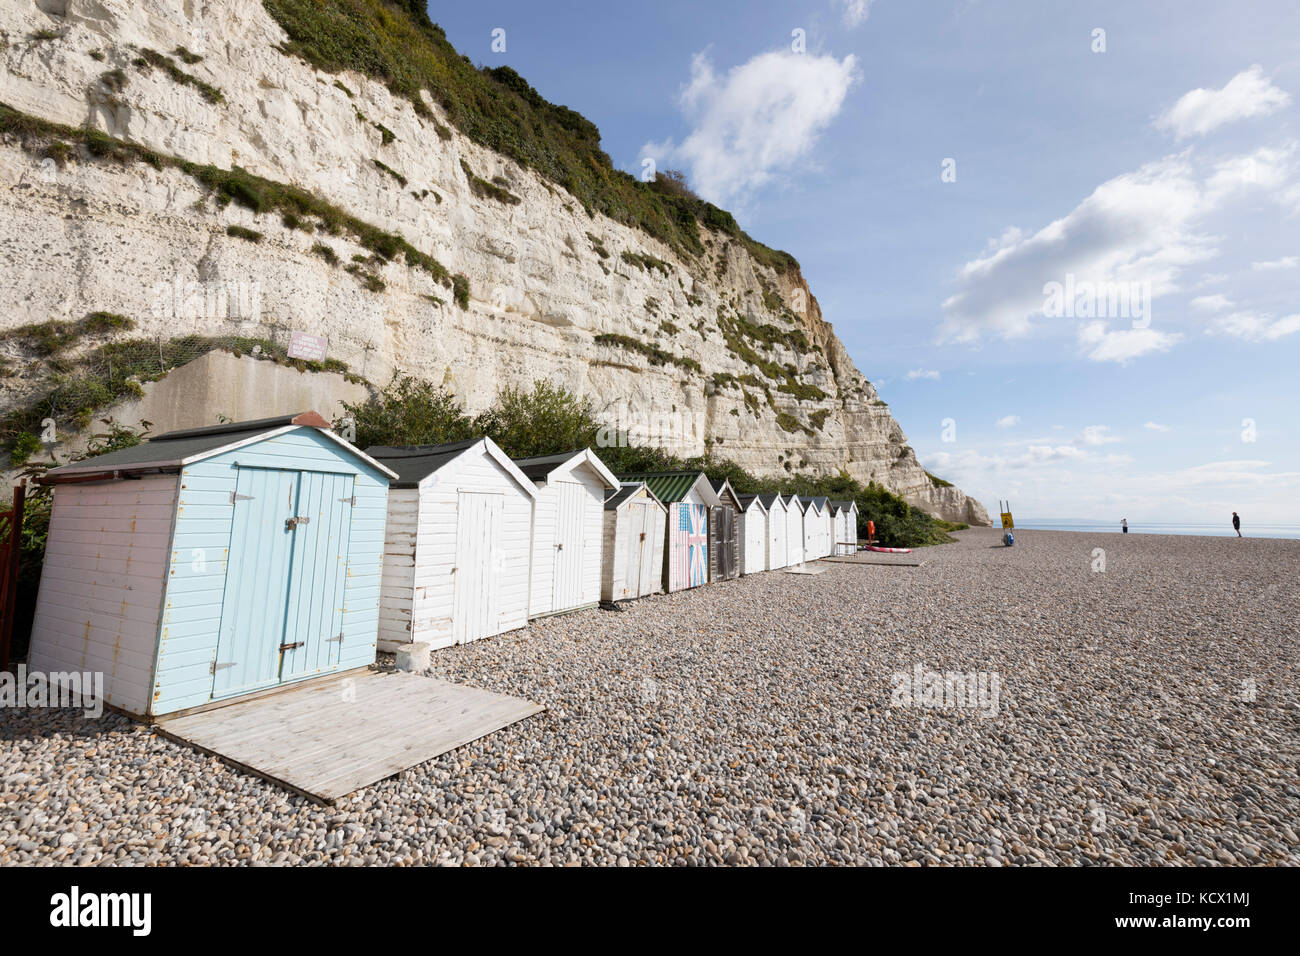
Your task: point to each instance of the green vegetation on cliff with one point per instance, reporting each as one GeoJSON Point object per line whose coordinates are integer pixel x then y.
{"type": "Point", "coordinates": [395, 42]}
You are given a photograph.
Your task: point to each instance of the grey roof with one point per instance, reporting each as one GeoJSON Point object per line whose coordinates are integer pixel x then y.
{"type": "Point", "coordinates": [747, 500]}
{"type": "Point", "coordinates": [821, 503]}
{"type": "Point", "coordinates": [414, 463]}
{"type": "Point", "coordinates": [170, 449]}
{"type": "Point", "coordinates": [842, 505]}
{"type": "Point", "coordinates": [616, 496]}
{"type": "Point", "coordinates": [542, 465]}
{"type": "Point", "coordinates": [720, 484]}
{"type": "Point", "coordinates": [769, 500]}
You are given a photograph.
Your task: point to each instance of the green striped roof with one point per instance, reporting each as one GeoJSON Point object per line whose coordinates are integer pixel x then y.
{"type": "Point", "coordinates": [666, 485]}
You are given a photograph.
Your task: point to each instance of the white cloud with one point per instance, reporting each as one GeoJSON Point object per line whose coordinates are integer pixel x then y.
{"type": "Point", "coordinates": [855, 12]}
{"type": "Point", "coordinates": [758, 119]}
{"type": "Point", "coordinates": [1155, 427]}
{"type": "Point", "coordinates": [1096, 435]}
{"type": "Point", "coordinates": [1199, 111]}
{"type": "Point", "coordinates": [1010, 421]}
{"type": "Point", "coordinates": [1137, 227]}
{"type": "Point", "coordinates": [1286, 262]}
{"type": "Point", "coordinates": [1211, 303]}
{"type": "Point", "coordinates": [1123, 345]}
{"type": "Point", "coordinates": [923, 373]}
{"type": "Point", "coordinates": [1256, 327]}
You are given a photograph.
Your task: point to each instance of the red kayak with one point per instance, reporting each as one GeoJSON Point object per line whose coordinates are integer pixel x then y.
{"type": "Point", "coordinates": [872, 547]}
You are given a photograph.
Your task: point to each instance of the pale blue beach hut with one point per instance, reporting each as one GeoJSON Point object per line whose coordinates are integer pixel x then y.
{"type": "Point", "coordinates": [212, 563]}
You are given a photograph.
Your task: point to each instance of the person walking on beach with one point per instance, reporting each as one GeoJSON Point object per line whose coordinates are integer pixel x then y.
{"type": "Point", "coordinates": [1236, 523]}
{"type": "Point", "coordinates": [1123, 525]}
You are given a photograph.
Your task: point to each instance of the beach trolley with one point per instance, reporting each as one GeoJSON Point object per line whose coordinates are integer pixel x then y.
{"type": "Point", "coordinates": [211, 563]}
{"type": "Point", "coordinates": [753, 535]}
{"type": "Point", "coordinates": [568, 523]}
{"type": "Point", "coordinates": [794, 530]}
{"type": "Point", "coordinates": [633, 549]}
{"type": "Point", "coordinates": [726, 542]}
{"type": "Point", "coordinates": [848, 535]}
{"type": "Point", "coordinates": [458, 549]}
{"type": "Point", "coordinates": [688, 496]}
{"type": "Point", "coordinates": [776, 531]}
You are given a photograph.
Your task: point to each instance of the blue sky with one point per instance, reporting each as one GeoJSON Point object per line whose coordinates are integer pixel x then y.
{"type": "Point", "coordinates": [1161, 172]}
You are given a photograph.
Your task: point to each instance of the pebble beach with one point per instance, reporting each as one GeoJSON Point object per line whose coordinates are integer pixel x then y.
{"type": "Point", "coordinates": [1139, 704]}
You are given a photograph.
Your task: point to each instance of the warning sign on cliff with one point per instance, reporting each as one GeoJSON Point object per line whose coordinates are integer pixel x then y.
{"type": "Point", "coordinates": [309, 348]}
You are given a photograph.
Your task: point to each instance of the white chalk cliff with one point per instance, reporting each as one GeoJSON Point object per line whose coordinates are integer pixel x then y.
{"type": "Point", "coordinates": [85, 234]}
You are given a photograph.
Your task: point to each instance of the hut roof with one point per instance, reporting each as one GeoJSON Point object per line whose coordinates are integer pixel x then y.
{"type": "Point", "coordinates": [412, 464]}
{"type": "Point", "coordinates": [175, 449]}
{"type": "Point", "coordinates": [669, 486]}
{"type": "Point", "coordinates": [615, 497]}
{"type": "Point", "coordinates": [541, 467]}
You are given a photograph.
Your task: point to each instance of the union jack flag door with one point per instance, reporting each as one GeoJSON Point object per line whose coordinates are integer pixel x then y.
{"type": "Point", "coordinates": [689, 543]}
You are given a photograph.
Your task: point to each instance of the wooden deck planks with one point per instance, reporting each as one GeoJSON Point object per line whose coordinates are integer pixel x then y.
{"type": "Point", "coordinates": [324, 743]}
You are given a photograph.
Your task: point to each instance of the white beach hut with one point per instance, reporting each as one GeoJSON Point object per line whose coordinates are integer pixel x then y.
{"type": "Point", "coordinates": [846, 526]}
{"type": "Point", "coordinates": [812, 530]}
{"type": "Point", "coordinates": [794, 530]}
{"type": "Point", "coordinates": [823, 528]}
{"type": "Point", "coordinates": [568, 525]}
{"type": "Point", "coordinates": [776, 531]}
{"type": "Point", "coordinates": [458, 548]}
{"type": "Point", "coordinates": [753, 524]}
{"type": "Point", "coordinates": [633, 564]}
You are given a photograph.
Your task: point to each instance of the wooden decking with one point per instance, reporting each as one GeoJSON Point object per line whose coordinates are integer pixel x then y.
{"type": "Point", "coordinates": [328, 738]}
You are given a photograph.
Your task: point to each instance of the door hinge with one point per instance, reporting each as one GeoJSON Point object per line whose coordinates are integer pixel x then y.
{"type": "Point", "coordinates": [214, 666]}
{"type": "Point", "coordinates": [237, 497]}
{"type": "Point", "coordinates": [291, 523]}
{"type": "Point", "coordinates": [331, 640]}
{"type": "Point", "coordinates": [351, 501]}
{"type": "Point", "coordinates": [294, 646]}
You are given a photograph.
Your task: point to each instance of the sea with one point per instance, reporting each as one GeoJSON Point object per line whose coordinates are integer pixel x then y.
{"type": "Point", "coordinates": [1219, 530]}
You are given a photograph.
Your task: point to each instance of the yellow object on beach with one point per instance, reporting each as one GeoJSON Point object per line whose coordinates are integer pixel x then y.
{"type": "Point", "coordinates": [1005, 507]}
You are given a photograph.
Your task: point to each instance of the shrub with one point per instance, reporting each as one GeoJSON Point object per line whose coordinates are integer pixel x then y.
{"type": "Point", "coordinates": [240, 232]}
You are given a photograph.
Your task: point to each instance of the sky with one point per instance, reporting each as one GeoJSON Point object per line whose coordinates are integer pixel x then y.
{"type": "Point", "coordinates": [1062, 239]}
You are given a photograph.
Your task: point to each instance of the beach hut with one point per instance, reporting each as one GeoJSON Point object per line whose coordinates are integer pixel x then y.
{"type": "Point", "coordinates": [846, 526]}
{"type": "Point", "coordinates": [794, 530]}
{"type": "Point", "coordinates": [818, 528]}
{"type": "Point", "coordinates": [776, 530]}
{"type": "Point", "coordinates": [726, 542]}
{"type": "Point", "coordinates": [688, 496]}
{"type": "Point", "coordinates": [210, 563]}
{"type": "Point", "coordinates": [753, 524]}
{"type": "Point", "coordinates": [633, 564]}
{"type": "Point", "coordinates": [458, 550]}
{"type": "Point", "coordinates": [568, 524]}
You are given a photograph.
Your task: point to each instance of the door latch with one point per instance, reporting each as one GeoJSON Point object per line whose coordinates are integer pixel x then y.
{"type": "Point", "coordinates": [295, 645]}
{"type": "Point", "coordinates": [291, 523]}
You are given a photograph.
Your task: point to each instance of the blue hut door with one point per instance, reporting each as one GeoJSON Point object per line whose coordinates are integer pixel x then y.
{"type": "Point", "coordinates": [313, 625]}
{"type": "Point", "coordinates": [286, 568]}
{"type": "Point", "coordinates": [257, 577]}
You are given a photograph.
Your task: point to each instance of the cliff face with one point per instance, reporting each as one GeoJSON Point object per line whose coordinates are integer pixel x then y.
{"type": "Point", "coordinates": [678, 350]}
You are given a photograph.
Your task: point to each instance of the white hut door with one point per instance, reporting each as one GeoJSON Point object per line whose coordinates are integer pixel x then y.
{"type": "Point", "coordinates": [566, 583]}
{"type": "Point", "coordinates": [477, 569]}
{"type": "Point", "coordinates": [634, 551]}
